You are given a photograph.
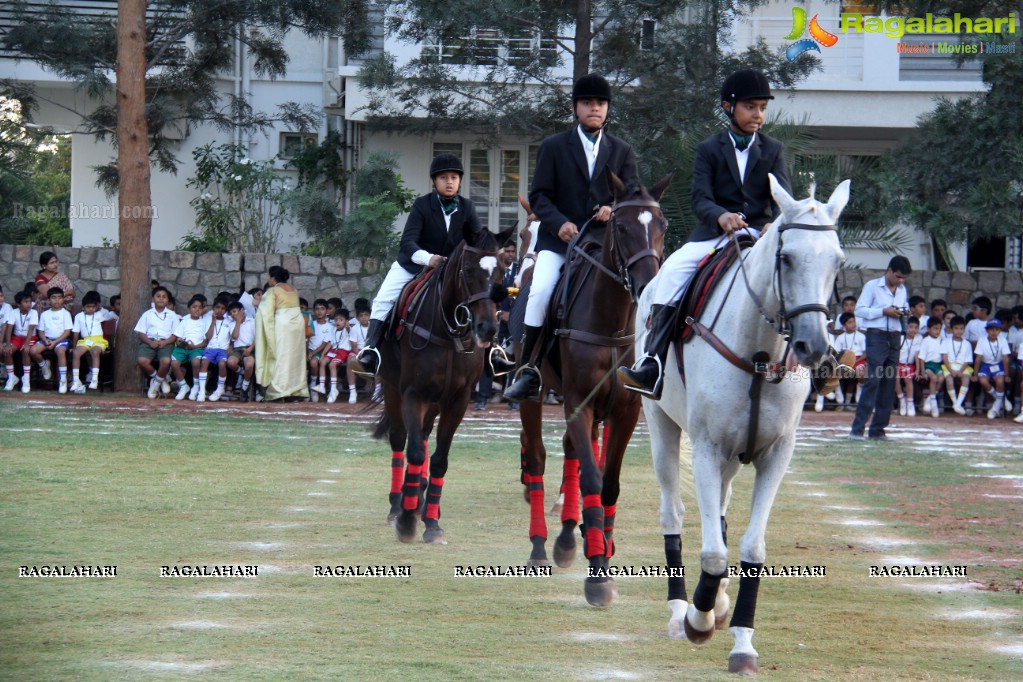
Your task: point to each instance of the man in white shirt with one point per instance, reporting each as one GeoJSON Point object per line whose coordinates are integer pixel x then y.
{"type": "Point", "coordinates": [880, 306]}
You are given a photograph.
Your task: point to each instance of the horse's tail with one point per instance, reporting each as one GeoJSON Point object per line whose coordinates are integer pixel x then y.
{"type": "Point", "coordinates": [383, 426]}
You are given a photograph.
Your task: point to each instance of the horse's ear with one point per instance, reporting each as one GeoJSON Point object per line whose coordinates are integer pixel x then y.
{"type": "Point", "coordinates": [781, 195]}
{"type": "Point", "coordinates": [838, 199]}
{"type": "Point", "coordinates": [503, 237]}
{"type": "Point", "coordinates": [614, 184]}
{"type": "Point", "coordinates": [657, 191]}
{"type": "Point", "coordinates": [470, 235]}
{"type": "Point", "coordinates": [524, 203]}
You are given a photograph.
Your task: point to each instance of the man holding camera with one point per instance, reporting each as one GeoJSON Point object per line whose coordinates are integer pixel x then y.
{"type": "Point", "coordinates": [882, 308]}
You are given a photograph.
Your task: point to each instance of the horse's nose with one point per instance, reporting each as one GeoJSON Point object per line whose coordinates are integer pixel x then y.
{"type": "Point", "coordinates": [807, 355]}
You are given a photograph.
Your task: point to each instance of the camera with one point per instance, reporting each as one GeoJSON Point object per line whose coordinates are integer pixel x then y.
{"type": "Point", "coordinates": [904, 320]}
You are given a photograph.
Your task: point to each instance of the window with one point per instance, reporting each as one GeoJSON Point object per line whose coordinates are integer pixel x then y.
{"type": "Point", "coordinates": [489, 47]}
{"type": "Point", "coordinates": [454, 148]}
{"type": "Point", "coordinates": [293, 143]}
{"type": "Point", "coordinates": [646, 36]}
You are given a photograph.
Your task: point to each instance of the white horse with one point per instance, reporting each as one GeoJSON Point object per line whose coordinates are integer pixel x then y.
{"type": "Point", "coordinates": [790, 269]}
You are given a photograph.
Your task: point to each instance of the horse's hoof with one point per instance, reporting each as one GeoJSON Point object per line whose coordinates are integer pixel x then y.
{"type": "Point", "coordinates": [555, 509]}
{"type": "Point", "coordinates": [392, 517]}
{"type": "Point", "coordinates": [405, 526]}
{"type": "Point", "coordinates": [600, 592]}
{"type": "Point", "coordinates": [541, 562]}
{"type": "Point", "coordinates": [434, 536]}
{"type": "Point", "coordinates": [696, 636]}
{"type": "Point", "coordinates": [743, 664]}
{"type": "Point", "coordinates": [675, 629]}
{"type": "Point", "coordinates": [564, 557]}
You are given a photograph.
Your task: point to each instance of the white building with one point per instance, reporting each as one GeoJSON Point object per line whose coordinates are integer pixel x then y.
{"type": "Point", "coordinates": [863, 101]}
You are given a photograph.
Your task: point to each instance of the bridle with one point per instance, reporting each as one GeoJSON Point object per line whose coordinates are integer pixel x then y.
{"type": "Point", "coordinates": [781, 319]}
{"type": "Point", "coordinates": [622, 264]}
{"type": "Point", "coordinates": [463, 316]}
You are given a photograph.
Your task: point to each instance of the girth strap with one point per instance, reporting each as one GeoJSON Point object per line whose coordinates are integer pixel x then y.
{"type": "Point", "coordinates": [595, 339]}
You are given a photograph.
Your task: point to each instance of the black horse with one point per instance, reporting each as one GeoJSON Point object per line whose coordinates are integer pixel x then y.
{"type": "Point", "coordinates": [429, 372]}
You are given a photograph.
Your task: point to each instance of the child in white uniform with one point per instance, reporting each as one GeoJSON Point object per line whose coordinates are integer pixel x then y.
{"type": "Point", "coordinates": [218, 344]}
{"type": "Point", "coordinates": [54, 334]}
{"type": "Point", "coordinates": [87, 339]}
{"type": "Point", "coordinates": [243, 335]}
{"type": "Point", "coordinates": [992, 366]}
{"type": "Point", "coordinates": [928, 362]}
{"type": "Point", "coordinates": [19, 332]}
{"type": "Point", "coordinates": [155, 330]}
{"type": "Point", "coordinates": [907, 367]}
{"type": "Point", "coordinates": [957, 363]}
{"type": "Point", "coordinates": [190, 340]}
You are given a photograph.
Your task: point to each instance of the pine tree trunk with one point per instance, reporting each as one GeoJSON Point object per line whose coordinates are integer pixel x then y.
{"type": "Point", "coordinates": [134, 199]}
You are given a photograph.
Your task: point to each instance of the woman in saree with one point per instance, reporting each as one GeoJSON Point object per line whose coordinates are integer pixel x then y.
{"type": "Point", "coordinates": [280, 340]}
{"type": "Point", "coordinates": [50, 276]}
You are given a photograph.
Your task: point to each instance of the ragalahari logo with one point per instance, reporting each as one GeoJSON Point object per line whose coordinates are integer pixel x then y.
{"type": "Point", "coordinates": [818, 36]}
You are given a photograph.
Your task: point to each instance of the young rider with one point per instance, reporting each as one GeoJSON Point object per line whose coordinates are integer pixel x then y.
{"type": "Point", "coordinates": [569, 189]}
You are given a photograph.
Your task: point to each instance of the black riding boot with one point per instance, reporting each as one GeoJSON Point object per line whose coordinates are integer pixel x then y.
{"type": "Point", "coordinates": [368, 362]}
{"type": "Point", "coordinates": [500, 364]}
{"type": "Point", "coordinates": [647, 375]}
{"type": "Point", "coordinates": [527, 382]}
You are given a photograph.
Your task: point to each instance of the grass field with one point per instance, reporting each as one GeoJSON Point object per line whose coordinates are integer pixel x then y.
{"type": "Point", "coordinates": [291, 487]}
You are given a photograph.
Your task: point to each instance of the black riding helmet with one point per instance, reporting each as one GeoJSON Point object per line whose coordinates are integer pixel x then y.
{"type": "Point", "coordinates": [591, 85]}
{"type": "Point", "coordinates": [745, 84]}
{"type": "Point", "coordinates": [443, 163]}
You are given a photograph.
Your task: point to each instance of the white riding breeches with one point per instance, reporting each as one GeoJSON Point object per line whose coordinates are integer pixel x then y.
{"type": "Point", "coordinates": [396, 279]}
{"type": "Point", "coordinates": [678, 270]}
{"type": "Point", "coordinates": [546, 273]}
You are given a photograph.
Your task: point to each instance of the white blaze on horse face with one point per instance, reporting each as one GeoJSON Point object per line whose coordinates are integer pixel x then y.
{"type": "Point", "coordinates": [488, 263]}
{"type": "Point", "coordinates": [645, 217]}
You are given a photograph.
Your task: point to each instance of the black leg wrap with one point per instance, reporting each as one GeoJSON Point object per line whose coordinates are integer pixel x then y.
{"type": "Point", "coordinates": [673, 559]}
{"type": "Point", "coordinates": [707, 591]}
{"type": "Point", "coordinates": [746, 602]}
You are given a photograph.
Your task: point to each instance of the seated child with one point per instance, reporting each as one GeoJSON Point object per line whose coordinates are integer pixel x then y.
{"type": "Point", "coordinates": [189, 341]}
{"type": "Point", "coordinates": [88, 339]}
{"type": "Point", "coordinates": [19, 332]}
{"type": "Point", "coordinates": [957, 363]}
{"type": "Point", "coordinates": [243, 335]}
{"type": "Point", "coordinates": [928, 363]}
{"type": "Point", "coordinates": [992, 366]}
{"type": "Point", "coordinates": [54, 334]}
{"type": "Point", "coordinates": [337, 355]}
{"type": "Point", "coordinates": [218, 344]}
{"type": "Point", "coordinates": [358, 330]}
{"type": "Point", "coordinates": [907, 367]}
{"type": "Point", "coordinates": [318, 344]}
{"type": "Point", "coordinates": [855, 341]}
{"type": "Point", "coordinates": [155, 330]}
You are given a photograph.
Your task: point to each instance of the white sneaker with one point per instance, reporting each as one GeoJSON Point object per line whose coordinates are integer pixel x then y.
{"type": "Point", "coordinates": [47, 372]}
{"type": "Point", "coordinates": [840, 395]}
{"type": "Point", "coordinates": [165, 386]}
{"type": "Point", "coordinates": [62, 388]}
{"type": "Point", "coordinates": [319, 388]}
{"type": "Point", "coordinates": [25, 388]}
{"type": "Point", "coordinates": [910, 409]}
{"type": "Point", "coordinates": [216, 395]}
{"type": "Point", "coordinates": [94, 384]}
{"type": "Point", "coordinates": [995, 410]}
{"type": "Point", "coordinates": [819, 405]}
{"type": "Point", "coordinates": [958, 407]}
{"type": "Point", "coordinates": [902, 407]}
{"type": "Point", "coordinates": [353, 397]}
{"type": "Point", "coordinates": [78, 387]}
{"type": "Point", "coordinates": [200, 397]}
{"type": "Point", "coordinates": [332, 396]}
{"type": "Point", "coordinates": [1019, 418]}
{"type": "Point", "coordinates": [12, 381]}
{"type": "Point", "coordinates": [182, 392]}
{"type": "Point", "coordinates": [1008, 405]}
{"type": "Point", "coordinates": [194, 393]}
{"type": "Point", "coordinates": [154, 388]}
{"type": "Point", "coordinates": [935, 410]}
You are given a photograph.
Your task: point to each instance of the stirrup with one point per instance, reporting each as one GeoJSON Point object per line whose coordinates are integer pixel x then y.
{"type": "Point", "coordinates": [499, 350]}
{"type": "Point", "coordinates": [533, 369]}
{"type": "Point", "coordinates": [658, 386]}
{"type": "Point", "coordinates": [358, 368]}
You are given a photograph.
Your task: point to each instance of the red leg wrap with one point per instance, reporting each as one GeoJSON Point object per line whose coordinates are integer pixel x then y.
{"type": "Point", "coordinates": [593, 517]}
{"type": "Point", "coordinates": [433, 498]}
{"type": "Point", "coordinates": [609, 527]}
{"type": "Point", "coordinates": [537, 522]}
{"type": "Point", "coordinates": [410, 499]}
{"type": "Point", "coordinates": [397, 469]}
{"type": "Point", "coordinates": [570, 512]}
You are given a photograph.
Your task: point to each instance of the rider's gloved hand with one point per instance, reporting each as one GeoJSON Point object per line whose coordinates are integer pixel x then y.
{"type": "Point", "coordinates": [498, 292]}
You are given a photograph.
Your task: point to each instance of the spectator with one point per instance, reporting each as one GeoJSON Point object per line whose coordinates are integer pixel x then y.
{"type": "Point", "coordinates": [280, 339]}
{"type": "Point", "coordinates": [957, 363]}
{"type": "Point", "coordinates": [50, 276]}
{"type": "Point", "coordinates": [928, 363]}
{"type": "Point", "coordinates": [880, 306]}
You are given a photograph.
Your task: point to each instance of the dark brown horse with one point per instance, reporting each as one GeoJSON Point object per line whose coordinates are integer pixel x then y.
{"type": "Point", "coordinates": [592, 314]}
{"type": "Point", "coordinates": [430, 371]}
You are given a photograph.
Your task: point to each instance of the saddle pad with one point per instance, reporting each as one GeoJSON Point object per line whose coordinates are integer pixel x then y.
{"type": "Point", "coordinates": [410, 298]}
{"type": "Point", "coordinates": [708, 273]}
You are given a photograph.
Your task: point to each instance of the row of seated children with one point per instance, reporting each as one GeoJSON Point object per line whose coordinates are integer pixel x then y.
{"type": "Point", "coordinates": [332, 338]}
{"type": "Point", "coordinates": [30, 335]}
{"type": "Point", "coordinates": [222, 337]}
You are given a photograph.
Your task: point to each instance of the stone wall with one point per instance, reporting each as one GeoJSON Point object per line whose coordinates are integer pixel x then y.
{"type": "Point", "coordinates": [186, 273]}
{"type": "Point", "coordinates": [1005, 289]}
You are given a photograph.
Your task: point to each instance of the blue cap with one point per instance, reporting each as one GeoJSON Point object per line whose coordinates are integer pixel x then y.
{"type": "Point", "coordinates": [993, 323]}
